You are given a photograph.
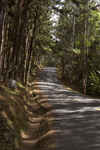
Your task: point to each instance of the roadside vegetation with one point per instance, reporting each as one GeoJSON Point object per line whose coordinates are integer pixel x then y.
{"type": "Point", "coordinates": [77, 49]}
{"type": "Point", "coordinates": [13, 115]}
{"type": "Point", "coordinates": [25, 117]}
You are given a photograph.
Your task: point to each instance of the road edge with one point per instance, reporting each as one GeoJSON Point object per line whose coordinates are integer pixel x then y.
{"type": "Point", "coordinates": [60, 82]}
{"type": "Point", "coordinates": [47, 134]}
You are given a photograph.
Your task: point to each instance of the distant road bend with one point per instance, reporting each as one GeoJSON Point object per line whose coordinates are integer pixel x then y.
{"type": "Point", "coordinates": [76, 117]}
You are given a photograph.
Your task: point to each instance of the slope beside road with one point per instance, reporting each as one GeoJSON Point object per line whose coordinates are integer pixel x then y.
{"type": "Point", "coordinates": [76, 117]}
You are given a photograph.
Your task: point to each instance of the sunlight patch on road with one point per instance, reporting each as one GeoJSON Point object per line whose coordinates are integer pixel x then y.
{"type": "Point", "coordinates": [97, 108]}
{"type": "Point", "coordinates": [57, 90]}
{"type": "Point", "coordinates": [78, 100]}
{"type": "Point", "coordinates": [70, 96]}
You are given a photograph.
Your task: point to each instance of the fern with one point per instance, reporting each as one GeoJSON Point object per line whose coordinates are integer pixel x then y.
{"type": "Point", "coordinates": [94, 83]}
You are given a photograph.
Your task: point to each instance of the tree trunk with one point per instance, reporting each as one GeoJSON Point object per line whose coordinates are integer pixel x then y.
{"type": "Point", "coordinates": [72, 48]}
{"type": "Point", "coordinates": [21, 34]}
{"type": "Point", "coordinates": [63, 65]}
{"type": "Point", "coordinates": [31, 46]}
{"type": "Point", "coordinates": [84, 55]}
{"type": "Point", "coordinates": [8, 63]}
{"type": "Point", "coordinates": [2, 43]}
{"type": "Point", "coordinates": [2, 11]}
{"type": "Point", "coordinates": [26, 57]}
{"type": "Point", "coordinates": [15, 41]}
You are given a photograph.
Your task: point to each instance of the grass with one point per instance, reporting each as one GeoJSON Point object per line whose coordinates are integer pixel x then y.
{"type": "Point", "coordinates": [14, 113]}
{"type": "Point", "coordinates": [18, 109]}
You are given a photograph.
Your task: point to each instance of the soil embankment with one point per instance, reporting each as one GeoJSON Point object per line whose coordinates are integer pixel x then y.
{"type": "Point", "coordinates": [25, 118]}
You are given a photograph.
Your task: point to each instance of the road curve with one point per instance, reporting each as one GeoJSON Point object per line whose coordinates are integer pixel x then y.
{"type": "Point", "coordinates": [76, 117]}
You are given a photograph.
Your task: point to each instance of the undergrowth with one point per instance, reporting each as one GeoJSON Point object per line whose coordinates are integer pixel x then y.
{"type": "Point", "coordinates": [13, 115]}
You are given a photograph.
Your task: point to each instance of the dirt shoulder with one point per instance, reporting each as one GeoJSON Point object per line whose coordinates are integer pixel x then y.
{"type": "Point", "coordinates": [46, 132]}
{"type": "Point", "coordinates": [25, 118]}
{"type": "Point", "coordinates": [39, 134]}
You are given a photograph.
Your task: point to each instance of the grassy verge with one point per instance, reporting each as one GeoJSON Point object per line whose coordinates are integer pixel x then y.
{"type": "Point", "coordinates": [13, 115]}
{"type": "Point", "coordinates": [25, 117]}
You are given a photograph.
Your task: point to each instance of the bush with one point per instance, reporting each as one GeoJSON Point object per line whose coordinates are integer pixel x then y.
{"type": "Point", "coordinates": [93, 83]}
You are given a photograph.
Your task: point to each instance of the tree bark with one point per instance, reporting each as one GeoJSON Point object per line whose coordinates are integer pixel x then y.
{"type": "Point", "coordinates": [84, 54]}
{"type": "Point", "coordinates": [2, 11]}
{"type": "Point", "coordinates": [21, 34]}
{"type": "Point", "coordinates": [72, 48]}
{"type": "Point", "coordinates": [63, 65]}
{"type": "Point", "coordinates": [15, 41]}
{"type": "Point", "coordinates": [31, 46]}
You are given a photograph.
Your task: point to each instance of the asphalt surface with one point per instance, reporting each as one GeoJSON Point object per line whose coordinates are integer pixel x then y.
{"type": "Point", "coordinates": [76, 117]}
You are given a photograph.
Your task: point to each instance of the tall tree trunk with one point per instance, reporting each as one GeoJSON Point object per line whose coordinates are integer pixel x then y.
{"type": "Point", "coordinates": [23, 56]}
{"type": "Point", "coordinates": [2, 43]}
{"type": "Point", "coordinates": [72, 48]}
{"type": "Point", "coordinates": [4, 39]}
{"type": "Point", "coordinates": [9, 49]}
{"type": "Point", "coordinates": [31, 46]}
{"type": "Point", "coordinates": [84, 54]}
{"type": "Point", "coordinates": [2, 11]}
{"type": "Point", "coordinates": [8, 62]}
{"type": "Point", "coordinates": [15, 41]}
{"type": "Point", "coordinates": [63, 65]}
{"type": "Point", "coordinates": [26, 57]}
{"type": "Point", "coordinates": [21, 34]}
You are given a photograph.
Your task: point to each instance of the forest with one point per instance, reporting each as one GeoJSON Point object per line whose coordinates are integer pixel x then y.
{"type": "Point", "coordinates": [31, 36]}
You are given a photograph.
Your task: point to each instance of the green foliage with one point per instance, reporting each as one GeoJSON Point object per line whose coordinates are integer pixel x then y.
{"type": "Point", "coordinates": [76, 50]}
{"type": "Point", "coordinates": [94, 82]}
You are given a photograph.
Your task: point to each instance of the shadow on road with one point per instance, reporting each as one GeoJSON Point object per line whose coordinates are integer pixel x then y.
{"type": "Point", "coordinates": [76, 117]}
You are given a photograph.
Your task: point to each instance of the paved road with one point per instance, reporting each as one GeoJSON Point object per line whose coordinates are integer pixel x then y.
{"type": "Point", "coordinates": [76, 117]}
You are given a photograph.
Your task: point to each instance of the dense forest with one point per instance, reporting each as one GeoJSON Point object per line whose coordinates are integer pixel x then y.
{"type": "Point", "coordinates": [29, 36]}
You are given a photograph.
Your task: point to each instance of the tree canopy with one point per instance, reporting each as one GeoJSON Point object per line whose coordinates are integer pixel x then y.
{"type": "Point", "coordinates": [29, 35]}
